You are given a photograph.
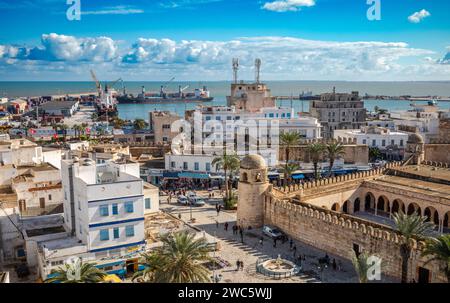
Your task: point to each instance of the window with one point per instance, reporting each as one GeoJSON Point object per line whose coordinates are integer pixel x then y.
{"type": "Point", "coordinates": [196, 166]}
{"type": "Point", "coordinates": [401, 142]}
{"type": "Point", "coordinates": [116, 233]}
{"type": "Point", "coordinates": [129, 231]}
{"type": "Point", "coordinates": [207, 118]}
{"type": "Point", "coordinates": [383, 142]}
{"type": "Point", "coordinates": [208, 166]}
{"type": "Point", "coordinates": [115, 209]}
{"type": "Point", "coordinates": [218, 118]}
{"type": "Point", "coordinates": [228, 117]}
{"type": "Point", "coordinates": [49, 197]}
{"type": "Point", "coordinates": [148, 203]}
{"type": "Point", "coordinates": [104, 235]}
{"type": "Point", "coordinates": [185, 165]}
{"type": "Point", "coordinates": [104, 210]}
{"type": "Point", "coordinates": [392, 142]}
{"type": "Point", "coordinates": [374, 142]}
{"type": "Point", "coordinates": [166, 126]}
{"type": "Point", "coordinates": [364, 141]}
{"type": "Point", "coordinates": [129, 207]}
{"type": "Point", "coordinates": [172, 164]}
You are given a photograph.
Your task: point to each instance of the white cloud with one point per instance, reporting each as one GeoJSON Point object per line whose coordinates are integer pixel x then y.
{"type": "Point", "coordinates": [287, 5]}
{"type": "Point", "coordinates": [65, 48]}
{"type": "Point", "coordinates": [283, 58]}
{"type": "Point", "coordinates": [417, 17]}
{"type": "Point", "coordinates": [115, 10]}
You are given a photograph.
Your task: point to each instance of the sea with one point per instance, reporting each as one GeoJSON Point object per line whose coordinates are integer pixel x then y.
{"type": "Point", "coordinates": [220, 89]}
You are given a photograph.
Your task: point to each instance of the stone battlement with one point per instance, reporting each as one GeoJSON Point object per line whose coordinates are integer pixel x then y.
{"type": "Point", "coordinates": [337, 180]}
{"type": "Point", "coordinates": [367, 228]}
{"type": "Point", "coordinates": [328, 141]}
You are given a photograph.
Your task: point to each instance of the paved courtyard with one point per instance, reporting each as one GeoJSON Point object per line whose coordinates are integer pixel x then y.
{"type": "Point", "coordinates": [232, 249]}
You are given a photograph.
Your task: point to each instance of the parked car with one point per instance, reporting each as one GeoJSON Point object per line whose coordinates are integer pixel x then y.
{"type": "Point", "coordinates": [197, 201]}
{"type": "Point", "coordinates": [272, 232]}
{"type": "Point", "coordinates": [182, 200]}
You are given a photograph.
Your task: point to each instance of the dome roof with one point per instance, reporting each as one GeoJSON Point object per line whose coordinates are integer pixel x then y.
{"type": "Point", "coordinates": [253, 162]}
{"type": "Point", "coordinates": [415, 138]}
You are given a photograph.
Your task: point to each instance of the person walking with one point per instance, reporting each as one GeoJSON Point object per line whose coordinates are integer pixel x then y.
{"type": "Point", "coordinates": [242, 235]}
{"type": "Point", "coordinates": [242, 265]}
{"type": "Point", "coordinates": [295, 250]}
{"type": "Point", "coordinates": [261, 241]}
{"type": "Point", "coordinates": [226, 226]}
{"type": "Point", "coordinates": [339, 265]}
{"type": "Point", "coordinates": [217, 224]}
{"type": "Point", "coordinates": [333, 264]}
{"type": "Point", "coordinates": [275, 243]}
{"type": "Point", "coordinates": [290, 243]}
{"type": "Point", "coordinates": [238, 265]}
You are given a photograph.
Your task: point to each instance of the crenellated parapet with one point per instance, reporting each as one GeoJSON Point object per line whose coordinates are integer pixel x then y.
{"type": "Point", "coordinates": [344, 141]}
{"type": "Point", "coordinates": [352, 224]}
{"type": "Point", "coordinates": [356, 176]}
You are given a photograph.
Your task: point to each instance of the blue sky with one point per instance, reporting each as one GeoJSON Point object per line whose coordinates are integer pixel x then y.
{"type": "Point", "coordinates": [196, 39]}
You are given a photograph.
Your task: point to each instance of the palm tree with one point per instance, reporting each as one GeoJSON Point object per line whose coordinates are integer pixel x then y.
{"type": "Point", "coordinates": [139, 124]}
{"type": "Point", "coordinates": [119, 123]}
{"type": "Point", "coordinates": [374, 153]}
{"type": "Point", "coordinates": [334, 150]}
{"type": "Point", "coordinates": [439, 250]}
{"type": "Point", "coordinates": [410, 227]}
{"type": "Point", "coordinates": [77, 129]}
{"type": "Point", "coordinates": [178, 260]}
{"type": "Point", "coordinates": [229, 164]}
{"type": "Point", "coordinates": [361, 266]}
{"type": "Point", "coordinates": [289, 139]}
{"type": "Point", "coordinates": [78, 272]}
{"type": "Point", "coordinates": [288, 170]}
{"type": "Point", "coordinates": [316, 151]}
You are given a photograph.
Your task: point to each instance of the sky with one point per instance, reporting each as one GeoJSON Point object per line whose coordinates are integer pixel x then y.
{"type": "Point", "coordinates": [197, 39]}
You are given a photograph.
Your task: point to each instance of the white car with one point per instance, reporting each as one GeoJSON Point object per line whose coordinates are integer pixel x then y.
{"type": "Point", "coordinates": [272, 232]}
{"type": "Point", "coordinates": [197, 201]}
{"type": "Point", "coordinates": [182, 200]}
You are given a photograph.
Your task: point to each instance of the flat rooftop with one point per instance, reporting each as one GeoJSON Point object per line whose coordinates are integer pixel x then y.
{"type": "Point", "coordinates": [441, 173]}
{"type": "Point", "coordinates": [62, 243]}
{"type": "Point", "coordinates": [45, 231]}
{"type": "Point", "coordinates": [416, 186]}
{"type": "Point", "coordinates": [55, 105]}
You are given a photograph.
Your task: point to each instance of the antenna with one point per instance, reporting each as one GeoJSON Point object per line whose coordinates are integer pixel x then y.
{"type": "Point", "coordinates": [257, 69]}
{"type": "Point", "coordinates": [235, 69]}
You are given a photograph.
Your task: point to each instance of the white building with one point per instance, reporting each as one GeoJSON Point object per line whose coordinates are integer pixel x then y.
{"type": "Point", "coordinates": [390, 143]}
{"type": "Point", "coordinates": [38, 189]}
{"type": "Point", "coordinates": [15, 153]}
{"type": "Point", "coordinates": [104, 204]}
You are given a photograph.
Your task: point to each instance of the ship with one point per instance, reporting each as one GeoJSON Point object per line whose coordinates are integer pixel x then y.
{"type": "Point", "coordinates": [106, 104]}
{"type": "Point", "coordinates": [198, 95]}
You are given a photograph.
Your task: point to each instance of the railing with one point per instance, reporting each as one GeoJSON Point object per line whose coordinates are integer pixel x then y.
{"type": "Point", "coordinates": [282, 275]}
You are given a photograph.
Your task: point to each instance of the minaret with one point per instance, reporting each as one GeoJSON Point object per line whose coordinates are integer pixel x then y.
{"type": "Point", "coordinates": [253, 184]}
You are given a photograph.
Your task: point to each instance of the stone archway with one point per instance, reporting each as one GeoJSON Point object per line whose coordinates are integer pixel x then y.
{"type": "Point", "coordinates": [398, 206]}
{"type": "Point", "coordinates": [432, 215]}
{"type": "Point", "coordinates": [446, 223]}
{"type": "Point", "coordinates": [356, 205]}
{"type": "Point", "coordinates": [345, 207]}
{"type": "Point", "coordinates": [414, 208]}
{"type": "Point", "coordinates": [383, 208]}
{"type": "Point", "coordinates": [335, 207]}
{"type": "Point", "coordinates": [369, 202]}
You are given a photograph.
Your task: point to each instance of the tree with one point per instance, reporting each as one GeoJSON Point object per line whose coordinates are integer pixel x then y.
{"type": "Point", "coordinates": [178, 260]}
{"type": "Point", "coordinates": [77, 128]}
{"type": "Point", "coordinates": [288, 170]}
{"type": "Point", "coordinates": [78, 272]}
{"type": "Point", "coordinates": [119, 123]}
{"type": "Point", "coordinates": [334, 150]}
{"type": "Point", "coordinates": [439, 250]}
{"type": "Point", "coordinates": [410, 227]}
{"type": "Point", "coordinates": [316, 151]}
{"type": "Point", "coordinates": [361, 266]}
{"type": "Point", "coordinates": [374, 153]}
{"type": "Point", "coordinates": [289, 139]}
{"type": "Point", "coordinates": [229, 164]}
{"type": "Point", "coordinates": [139, 124]}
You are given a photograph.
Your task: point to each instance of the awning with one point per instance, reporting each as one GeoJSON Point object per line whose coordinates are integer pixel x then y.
{"type": "Point", "coordinates": [189, 175]}
{"type": "Point", "coordinates": [273, 175]}
{"type": "Point", "coordinates": [170, 175]}
{"type": "Point", "coordinates": [298, 176]}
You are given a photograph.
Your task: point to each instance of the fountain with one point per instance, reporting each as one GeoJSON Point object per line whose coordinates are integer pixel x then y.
{"type": "Point", "coordinates": [277, 268]}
